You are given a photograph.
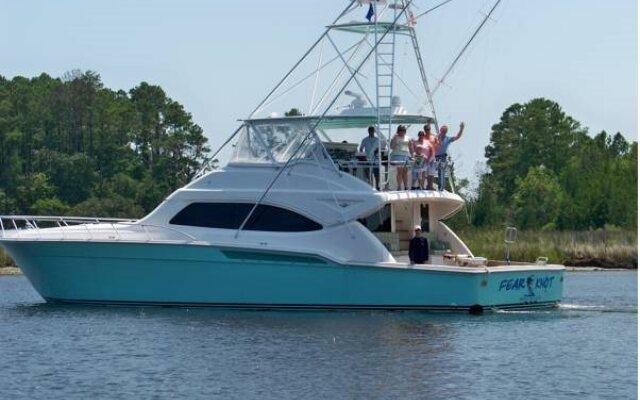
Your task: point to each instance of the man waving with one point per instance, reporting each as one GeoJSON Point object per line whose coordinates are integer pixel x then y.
{"type": "Point", "coordinates": [441, 152]}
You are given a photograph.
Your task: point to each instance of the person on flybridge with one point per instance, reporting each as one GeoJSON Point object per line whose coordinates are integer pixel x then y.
{"type": "Point", "coordinates": [441, 152]}
{"type": "Point", "coordinates": [432, 166]}
{"type": "Point", "coordinates": [424, 153]}
{"type": "Point", "coordinates": [369, 146]}
{"type": "Point", "coordinates": [401, 153]}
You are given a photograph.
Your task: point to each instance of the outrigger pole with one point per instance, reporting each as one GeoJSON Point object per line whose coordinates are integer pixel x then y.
{"type": "Point", "coordinates": [284, 79]}
{"type": "Point", "coordinates": [205, 164]}
{"type": "Point", "coordinates": [433, 8]}
{"type": "Point", "coordinates": [455, 61]}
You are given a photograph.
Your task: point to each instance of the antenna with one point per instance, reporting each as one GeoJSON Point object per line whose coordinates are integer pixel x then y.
{"type": "Point", "coordinates": [510, 237]}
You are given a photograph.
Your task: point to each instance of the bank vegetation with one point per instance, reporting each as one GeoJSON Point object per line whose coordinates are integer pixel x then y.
{"type": "Point", "coordinates": [70, 146]}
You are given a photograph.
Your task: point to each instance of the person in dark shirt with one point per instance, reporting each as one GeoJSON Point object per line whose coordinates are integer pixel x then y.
{"type": "Point", "coordinates": [418, 247]}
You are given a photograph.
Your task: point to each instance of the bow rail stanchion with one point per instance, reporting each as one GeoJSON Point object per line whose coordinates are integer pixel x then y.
{"type": "Point", "coordinates": [13, 221]}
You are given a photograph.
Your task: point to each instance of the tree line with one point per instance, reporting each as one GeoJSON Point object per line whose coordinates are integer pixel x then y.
{"type": "Point", "coordinates": [545, 172]}
{"type": "Point", "coordinates": [70, 146]}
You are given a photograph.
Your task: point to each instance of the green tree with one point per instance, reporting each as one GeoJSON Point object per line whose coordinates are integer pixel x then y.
{"type": "Point", "coordinates": [114, 207]}
{"type": "Point", "coordinates": [488, 209]}
{"type": "Point", "coordinates": [166, 139]}
{"type": "Point", "coordinates": [32, 188]}
{"type": "Point", "coordinates": [595, 178]}
{"type": "Point", "coordinates": [52, 206]}
{"type": "Point", "coordinates": [65, 141]}
{"type": "Point", "coordinates": [530, 135]}
{"type": "Point", "coordinates": [294, 112]}
{"type": "Point", "coordinates": [536, 202]}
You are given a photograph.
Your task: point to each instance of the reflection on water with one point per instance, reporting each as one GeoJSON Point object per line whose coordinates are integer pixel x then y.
{"type": "Point", "coordinates": [58, 351]}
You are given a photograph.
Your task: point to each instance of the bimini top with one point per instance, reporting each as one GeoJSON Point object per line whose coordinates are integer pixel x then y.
{"type": "Point", "coordinates": [371, 27]}
{"type": "Point", "coordinates": [342, 121]}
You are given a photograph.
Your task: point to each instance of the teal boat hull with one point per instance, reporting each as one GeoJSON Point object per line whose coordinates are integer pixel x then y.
{"type": "Point", "coordinates": [197, 275]}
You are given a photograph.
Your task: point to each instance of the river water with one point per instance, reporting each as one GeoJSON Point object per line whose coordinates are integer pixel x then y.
{"type": "Point", "coordinates": [586, 349]}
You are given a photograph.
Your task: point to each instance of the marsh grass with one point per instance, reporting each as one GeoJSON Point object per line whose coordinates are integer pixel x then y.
{"type": "Point", "coordinates": [614, 247]}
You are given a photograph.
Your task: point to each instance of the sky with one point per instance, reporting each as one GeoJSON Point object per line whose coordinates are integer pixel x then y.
{"type": "Point", "coordinates": [219, 59]}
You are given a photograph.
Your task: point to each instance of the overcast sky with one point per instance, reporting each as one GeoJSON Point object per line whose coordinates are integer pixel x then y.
{"type": "Point", "coordinates": [220, 58]}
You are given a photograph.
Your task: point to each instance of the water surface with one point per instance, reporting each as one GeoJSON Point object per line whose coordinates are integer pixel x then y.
{"type": "Point", "coordinates": [586, 349]}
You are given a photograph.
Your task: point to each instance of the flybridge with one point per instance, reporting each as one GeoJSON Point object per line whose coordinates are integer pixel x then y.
{"type": "Point", "coordinates": [352, 79]}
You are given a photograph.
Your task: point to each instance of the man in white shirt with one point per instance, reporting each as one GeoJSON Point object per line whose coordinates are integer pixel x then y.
{"type": "Point", "coordinates": [369, 146]}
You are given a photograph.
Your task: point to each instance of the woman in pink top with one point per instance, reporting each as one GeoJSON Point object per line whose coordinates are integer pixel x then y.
{"type": "Point", "coordinates": [424, 152]}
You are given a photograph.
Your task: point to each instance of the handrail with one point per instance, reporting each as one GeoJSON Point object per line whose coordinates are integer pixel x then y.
{"type": "Point", "coordinates": [358, 168]}
{"type": "Point", "coordinates": [62, 218]}
{"type": "Point", "coordinates": [63, 224]}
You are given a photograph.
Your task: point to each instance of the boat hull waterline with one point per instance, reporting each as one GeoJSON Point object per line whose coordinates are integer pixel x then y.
{"type": "Point", "coordinates": [192, 276]}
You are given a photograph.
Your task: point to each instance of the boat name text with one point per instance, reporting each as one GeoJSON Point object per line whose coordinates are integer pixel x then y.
{"type": "Point", "coordinates": [526, 283]}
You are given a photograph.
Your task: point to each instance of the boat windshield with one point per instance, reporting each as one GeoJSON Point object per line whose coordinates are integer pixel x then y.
{"type": "Point", "coordinates": [277, 142]}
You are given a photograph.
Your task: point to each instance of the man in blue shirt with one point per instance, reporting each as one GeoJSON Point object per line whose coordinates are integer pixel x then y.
{"type": "Point", "coordinates": [441, 152]}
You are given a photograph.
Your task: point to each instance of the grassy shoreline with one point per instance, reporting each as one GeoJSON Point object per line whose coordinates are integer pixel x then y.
{"type": "Point", "coordinates": [610, 248]}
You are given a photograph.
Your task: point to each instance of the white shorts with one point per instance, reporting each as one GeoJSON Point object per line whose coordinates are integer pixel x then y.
{"type": "Point", "coordinates": [432, 168]}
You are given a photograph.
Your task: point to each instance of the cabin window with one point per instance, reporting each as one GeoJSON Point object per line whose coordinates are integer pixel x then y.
{"type": "Point", "coordinates": [231, 216]}
{"type": "Point", "coordinates": [379, 221]}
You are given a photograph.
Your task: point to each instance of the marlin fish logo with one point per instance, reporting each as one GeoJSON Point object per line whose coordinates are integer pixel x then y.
{"type": "Point", "coordinates": [530, 286]}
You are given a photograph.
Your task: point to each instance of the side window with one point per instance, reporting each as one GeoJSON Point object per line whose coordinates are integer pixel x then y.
{"type": "Point", "coordinates": [212, 215]}
{"type": "Point", "coordinates": [276, 219]}
{"type": "Point", "coordinates": [231, 216]}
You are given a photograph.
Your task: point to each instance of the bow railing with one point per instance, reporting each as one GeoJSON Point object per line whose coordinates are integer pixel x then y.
{"type": "Point", "coordinates": [32, 227]}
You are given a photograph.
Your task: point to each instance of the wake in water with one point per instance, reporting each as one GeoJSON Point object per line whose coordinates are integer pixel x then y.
{"type": "Point", "coordinates": [600, 308]}
{"type": "Point", "coordinates": [532, 311]}
{"type": "Point", "coordinates": [631, 309]}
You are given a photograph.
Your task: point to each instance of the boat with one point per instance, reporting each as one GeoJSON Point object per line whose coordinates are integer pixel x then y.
{"type": "Point", "coordinates": [294, 219]}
